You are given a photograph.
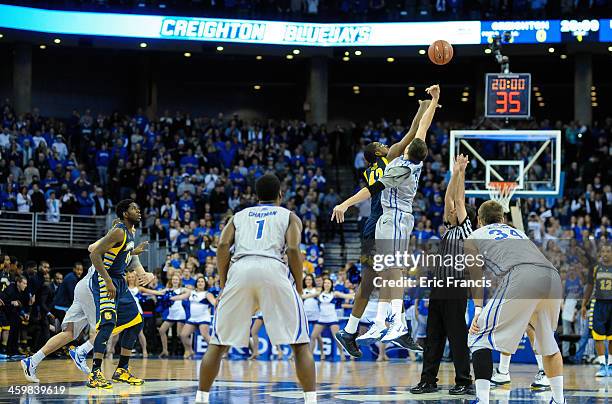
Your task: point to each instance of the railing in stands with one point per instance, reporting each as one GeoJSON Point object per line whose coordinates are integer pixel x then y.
{"type": "Point", "coordinates": [40, 230]}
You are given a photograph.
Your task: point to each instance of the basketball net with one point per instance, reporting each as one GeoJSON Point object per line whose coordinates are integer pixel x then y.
{"type": "Point", "coordinates": [502, 192]}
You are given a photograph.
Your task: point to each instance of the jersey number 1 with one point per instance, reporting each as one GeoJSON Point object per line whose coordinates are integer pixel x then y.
{"type": "Point", "coordinates": [260, 225]}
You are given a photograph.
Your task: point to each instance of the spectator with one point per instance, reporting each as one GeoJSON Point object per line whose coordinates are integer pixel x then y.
{"type": "Point", "coordinates": [65, 293]}
{"type": "Point", "coordinates": [15, 302]}
{"type": "Point", "coordinates": [53, 208]}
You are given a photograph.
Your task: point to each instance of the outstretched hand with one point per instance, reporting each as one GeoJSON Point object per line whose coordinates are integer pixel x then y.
{"type": "Point", "coordinates": [434, 91]}
{"type": "Point", "coordinates": [461, 162]}
{"type": "Point", "coordinates": [142, 247]}
{"type": "Point", "coordinates": [338, 213]}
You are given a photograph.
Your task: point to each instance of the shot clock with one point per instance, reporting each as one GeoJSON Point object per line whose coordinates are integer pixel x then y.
{"type": "Point", "coordinates": [508, 95]}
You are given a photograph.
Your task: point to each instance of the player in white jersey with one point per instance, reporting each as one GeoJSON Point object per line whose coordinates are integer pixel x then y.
{"type": "Point", "coordinates": [529, 292]}
{"type": "Point", "coordinates": [398, 186]}
{"type": "Point", "coordinates": [257, 277]}
{"type": "Point", "coordinates": [82, 313]}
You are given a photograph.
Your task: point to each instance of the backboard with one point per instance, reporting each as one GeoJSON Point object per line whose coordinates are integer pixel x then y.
{"type": "Point", "coordinates": [531, 158]}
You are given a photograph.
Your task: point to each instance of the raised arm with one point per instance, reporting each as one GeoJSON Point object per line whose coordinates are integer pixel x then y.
{"type": "Point", "coordinates": [223, 250]}
{"type": "Point", "coordinates": [293, 236]}
{"type": "Point", "coordinates": [425, 122]}
{"type": "Point", "coordinates": [398, 148]}
{"type": "Point", "coordinates": [449, 196]}
{"type": "Point", "coordinates": [112, 238]}
{"type": "Point", "coordinates": [459, 195]}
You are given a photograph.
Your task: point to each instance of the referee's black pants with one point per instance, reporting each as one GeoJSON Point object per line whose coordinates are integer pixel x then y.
{"type": "Point", "coordinates": [446, 319]}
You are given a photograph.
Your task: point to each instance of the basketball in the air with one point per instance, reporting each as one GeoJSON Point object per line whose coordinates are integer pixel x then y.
{"type": "Point", "coordinates": [440, 52]}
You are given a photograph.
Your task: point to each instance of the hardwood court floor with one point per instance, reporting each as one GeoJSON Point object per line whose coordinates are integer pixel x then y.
{"type": "Point", "coordinates": [175, 381]}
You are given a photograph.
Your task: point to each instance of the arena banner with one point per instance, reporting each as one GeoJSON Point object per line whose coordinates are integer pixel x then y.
{"type": "Point", "coordinates": [291, 33]}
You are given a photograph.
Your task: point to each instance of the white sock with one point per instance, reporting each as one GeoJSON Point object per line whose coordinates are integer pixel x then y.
{"type": "Point", "coordinates": [310, 397]}
{"type": "Point", "coordinates": [482, 390]}
{"type": "Point", "coordinates": [381, 313]}
{"type": "Point", "coordinates": [202, 396]}
{"type": "Point", "coordinates": [601, 359]}
{"type": "Point", "coordinates": [403, 317]}
{"type": "Point", "coordinates": [540, 362]}
{"type": "Point", "coordinates": [556, 386]}
{"type": "Point", "coordinates": [396, 307]}
{"type": "Point", "coordinates": [85, 348]}
{"type": "Point", "coordinates": [352, 324]}
{"type": "Point", "coordinates": [504, 363]}
{"type": "Point", "coordinates": [37, 358]}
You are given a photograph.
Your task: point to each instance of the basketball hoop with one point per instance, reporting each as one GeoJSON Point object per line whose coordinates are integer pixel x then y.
{"type": "Point", "coordinates": [502, 192]}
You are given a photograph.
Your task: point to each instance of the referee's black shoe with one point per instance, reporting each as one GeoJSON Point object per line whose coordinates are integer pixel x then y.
{"type": "Point", "coordinates": [461, 389]}
{"type": "Point", "coordinates": [406, 342]}
{"type": "Point", "coordinates": [424, 387]}
{"type": "Point", "coordinates": [347, 340]}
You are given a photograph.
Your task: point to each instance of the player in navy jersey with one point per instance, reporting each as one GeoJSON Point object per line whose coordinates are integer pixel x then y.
{"type": "Point", "coordinates": [377, 155]}
{"type": "Point", "coordinates": [116, 309]}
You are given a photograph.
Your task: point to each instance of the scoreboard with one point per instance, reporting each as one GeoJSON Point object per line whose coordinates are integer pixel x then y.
{"type": "Point", "coordinates": [508, 95]}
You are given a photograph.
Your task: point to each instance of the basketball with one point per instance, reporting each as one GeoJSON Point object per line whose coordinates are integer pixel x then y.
{"type": "Point", "coordinates": [440, 52]}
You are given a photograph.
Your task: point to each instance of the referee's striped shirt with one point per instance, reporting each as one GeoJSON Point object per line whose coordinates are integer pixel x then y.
{"type": "Point", "coordinates": [452, 244]}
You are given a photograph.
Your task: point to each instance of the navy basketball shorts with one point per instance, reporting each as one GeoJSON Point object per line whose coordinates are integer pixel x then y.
{"type": "Point", "coordinates": [122, 311]}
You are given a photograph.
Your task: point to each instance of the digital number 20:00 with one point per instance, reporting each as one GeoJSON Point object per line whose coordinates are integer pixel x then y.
{"type": "Point", "coordinates": [507, 84]}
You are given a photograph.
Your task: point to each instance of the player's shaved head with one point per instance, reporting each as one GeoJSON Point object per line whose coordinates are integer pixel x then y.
{"type": "Point", "coordinates": [417, 150]}
{"type": "Point", "coordinates": [267, 188]}
{"type": "Point", "coordinates": [490, 212]}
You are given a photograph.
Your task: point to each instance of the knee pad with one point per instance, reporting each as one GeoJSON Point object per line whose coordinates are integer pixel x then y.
{"type": "Point", "coordinates": [130, 335]}
{"type": "Point", "coordinates": [104, 333]}
{"type": "Point", "coordinates": [482, 361]}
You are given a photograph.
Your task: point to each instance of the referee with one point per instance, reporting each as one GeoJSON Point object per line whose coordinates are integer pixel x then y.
{"type": "Point", "coordinates": [447, 305]}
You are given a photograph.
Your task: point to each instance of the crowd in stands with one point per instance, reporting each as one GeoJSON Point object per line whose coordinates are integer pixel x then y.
{"type": "Point", "coordinates": [343, 10]}
{"type": "Point", "coordinates": [190, 174]}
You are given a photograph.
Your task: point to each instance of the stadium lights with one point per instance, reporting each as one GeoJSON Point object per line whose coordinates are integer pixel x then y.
{"type": "Point", "coordinates": [390, 59]}
{"type": "Point", "coordinates": [411, 88]}
{"type": "Point", "coordinates": [57, 40]}
{"type": "Point", "coordinates": [1, 36]}
{"type": "Point", "coordinates": [537, 94]}
{"type": "Point", "coordinates": [594, 99]}
{"type": "Point", "coordinates": [220, 48]}
{"type": "Point", "coordinates": [256, 87]}
{"type": "Point", "coordinates": [289, 56]}
{"type": "Point", "coordinates": [541, 104]}
{"type": "Point", "coordinates": [187, 54]}
{"type": "Point", "coordinates": [563, 56]}
{"type": "Point", "coordinates": [593, 93]}
{"type": "Point", "coordinates": [258, 57]}
{"type": "Point", "coordinates": [551, 50]}
{"type": "Point", "coordinates": [357, 53]}
{"type": "Point", "coordinates": [296, 51]}
{"type": "Point", "coordinates": [143, 44]}
{"type": "Point", "coordinates": [421, 51]}
{"type": "Point", "coordinates": [536, 89]}
{"type": "Point", "coordinates": [411, 94]}
{"type": "Point", "coordinates": [356, 88]}
{"type": "Point", "coordinates": [465, 94]}
{"type": "Point", "coordinates": [487, 51]}
{"type": "Point", "coordinates": [609, 47]}
{"type": "Point", "coordinates": [594, 104]}
{"type": "Point", "coordinates": [540, 99]}
{"type": "Point", "coordinates": [346, 58]}
{"type": "Point", "coordinates": [466, 88]}
{"type": "Point", "coordinates": [593, 88]}
{"type": "Point", "coordinates": [464, 99]}
{"type": "Point", "coordinates": [43, 46]}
